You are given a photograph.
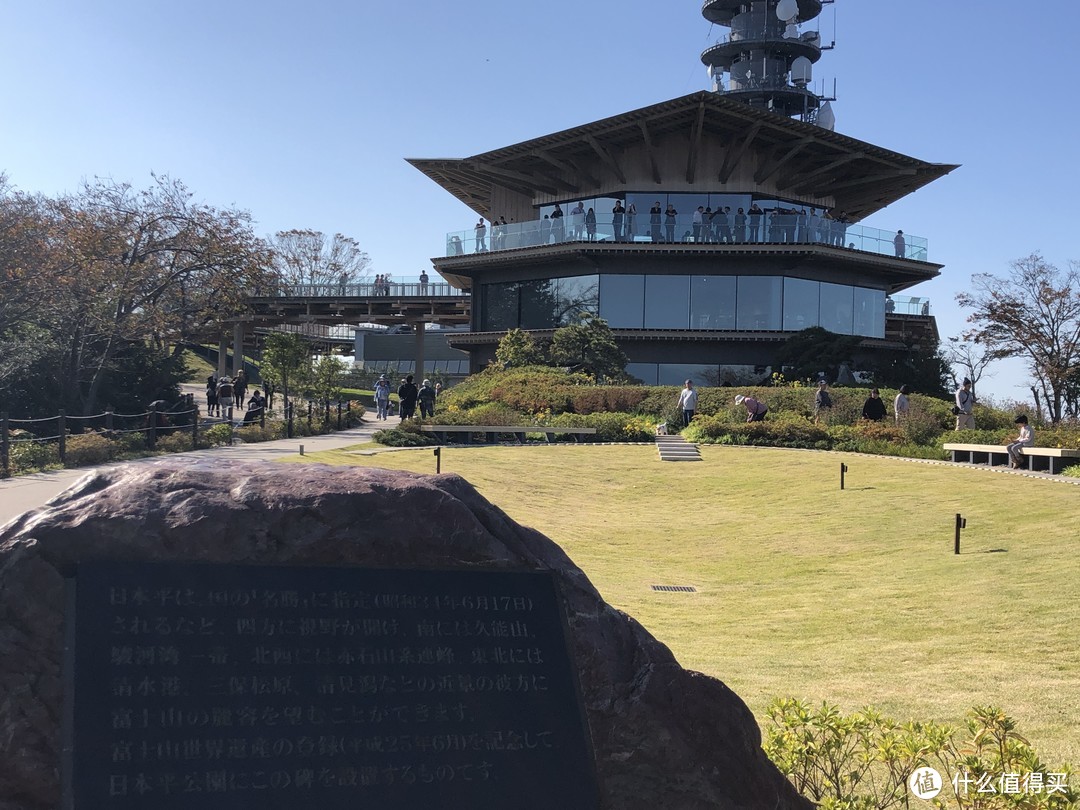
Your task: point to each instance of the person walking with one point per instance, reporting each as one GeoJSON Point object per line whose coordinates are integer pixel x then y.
{"type": "Point", "coordinates": [407, 393]}
{"type": "Point", "coordinates": [688, 402]}
{"type": "Point", "coordinates": [382, 397]}
{"type": "Point", "coordinates": [212, 407]}
{"type": "Point", "coordinates": [425, 397]}
{"type": "Point", "coordinates": [965, 406]}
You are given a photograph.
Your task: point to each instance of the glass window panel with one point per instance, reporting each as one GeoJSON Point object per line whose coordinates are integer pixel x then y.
{"type": "Point", "coordinates": [759, 302]}
{"type": "Point", "coordinates": [667, 302]}
{"type": "Point", "coordinates": [800, 304]}
{"type": "Point", "coordinates": [646, 372]}
{"type": "Point", "coordinates": [869, 312]}
{"type": "Point", "coordinates": [622, 301]}
{"type": "Point", "coordinates": [500, 307]}
{"type": "Point", "coordinates": [712, 302]}
{"type": "Point", "coordinates": [577, 296]}
{"type": "Point", "coordinates": [837, 308]}
{"type": "Point", "coordinates": [539, 304]}
{"type": "Point", "coordinates": [679, 373]}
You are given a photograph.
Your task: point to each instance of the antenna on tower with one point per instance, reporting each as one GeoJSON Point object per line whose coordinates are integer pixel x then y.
{"type": "Point", "coordinates": [766, 58]}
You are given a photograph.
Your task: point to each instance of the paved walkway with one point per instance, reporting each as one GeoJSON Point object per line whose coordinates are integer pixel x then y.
{"type": "Point", "coordinates": [25, 492]}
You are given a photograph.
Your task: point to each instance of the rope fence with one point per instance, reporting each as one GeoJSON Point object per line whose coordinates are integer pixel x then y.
{"type": "Point", "coordinates": [67, 440]}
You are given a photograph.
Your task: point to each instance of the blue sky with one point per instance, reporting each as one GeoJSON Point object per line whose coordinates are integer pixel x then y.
{"type": "Point", "coordinates": [303, 114]}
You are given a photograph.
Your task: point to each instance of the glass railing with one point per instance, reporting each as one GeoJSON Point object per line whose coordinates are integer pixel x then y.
{"type": "Point", "coordinates": [642, 228]}
{"type": "Point", "coordinates": [366, 289]}
{"type": "Point", "coordinates": [907, 305]}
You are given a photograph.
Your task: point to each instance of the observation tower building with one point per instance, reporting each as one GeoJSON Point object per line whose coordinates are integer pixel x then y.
{"type": "Point", "coordinates": [707, 229]}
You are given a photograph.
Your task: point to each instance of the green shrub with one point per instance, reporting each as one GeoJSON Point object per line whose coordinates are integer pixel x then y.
{"type": "Point", "coordinates": [87, 449]}
{"type": "Point", "coordinates": [25, 456]}
{"type": "Point", "coordinates": [863, 761]}
{"type": "Point", "coordinates": [398, 437]}
{"type": "Point", "coordinates": [1072, 471]}
{"type": "Point", "coordinates": [219, 434]}
{"type": "Point", "coordinates": [179, 442]}
{"type": "Point", "coordinates": [610, 427]}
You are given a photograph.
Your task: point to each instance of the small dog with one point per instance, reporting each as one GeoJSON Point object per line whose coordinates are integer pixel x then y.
{"type": "Point", "coordinates": [661, 429]}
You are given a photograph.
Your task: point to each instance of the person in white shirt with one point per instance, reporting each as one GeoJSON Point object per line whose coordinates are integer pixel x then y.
{"type": "Point", "coordinates": [901, 404]}
{"type": "Point", "coordinates": [1025, 439]}
{"type": "Point", "coordinates": [965, 405]}
{"type": "Point", "coordinates": [688, 402]}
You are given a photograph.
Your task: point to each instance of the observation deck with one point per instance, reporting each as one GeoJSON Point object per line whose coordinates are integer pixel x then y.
{"type": "Point", "coordinates": [721, 12]}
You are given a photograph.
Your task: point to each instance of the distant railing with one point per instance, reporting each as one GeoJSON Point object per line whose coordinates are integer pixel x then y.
{"type": "Point", "coordinates": [907, 305]}
{"type": "Point", "coordinates": [643, 228]}
{"type": "Point", "coordinates": [365, 289]}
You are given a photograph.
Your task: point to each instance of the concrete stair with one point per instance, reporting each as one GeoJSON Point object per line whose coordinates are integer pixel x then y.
{"type": "Point", "coordinates": [676, 448]}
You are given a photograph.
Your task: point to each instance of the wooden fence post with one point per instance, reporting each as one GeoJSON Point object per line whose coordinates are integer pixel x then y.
{"type": "Point", "coordinates": [62, 430]}
{"type": "Point", "coordinates": [4, 447]}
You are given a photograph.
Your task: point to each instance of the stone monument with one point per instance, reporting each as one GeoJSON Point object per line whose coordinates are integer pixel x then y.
{"type": "Point", "coordinates": [181, 634]}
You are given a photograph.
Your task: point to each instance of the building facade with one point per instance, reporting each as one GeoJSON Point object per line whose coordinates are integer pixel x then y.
{"type": "Point", "coordinates": [705, 230]}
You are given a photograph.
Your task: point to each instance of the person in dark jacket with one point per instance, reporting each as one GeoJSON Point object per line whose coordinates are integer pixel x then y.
{"type": "Point", "coordinates": [407, 393]}
{"type": "Point", "coordinates": [426, 398]}
{"type": "Point", "coordinates": [874, 407]}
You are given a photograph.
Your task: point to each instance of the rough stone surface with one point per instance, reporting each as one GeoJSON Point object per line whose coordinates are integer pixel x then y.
{"type": "Point", "coordinates": [663, 736]}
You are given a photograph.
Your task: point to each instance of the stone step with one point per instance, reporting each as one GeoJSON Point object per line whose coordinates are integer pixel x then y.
{"type": "Point", "coordinates": [676, 448]}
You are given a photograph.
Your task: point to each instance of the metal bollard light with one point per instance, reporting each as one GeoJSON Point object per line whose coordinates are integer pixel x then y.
{"type": "Point", "coordinates": [961, 523]}
{"type": "Point", "coordinates": [438, 460]}
{"type": "Point", "coordinates": [843, 470]}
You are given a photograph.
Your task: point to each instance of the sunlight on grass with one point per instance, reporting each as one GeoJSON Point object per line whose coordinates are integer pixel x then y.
{"type": "Point", "coordinates": [852, 596]}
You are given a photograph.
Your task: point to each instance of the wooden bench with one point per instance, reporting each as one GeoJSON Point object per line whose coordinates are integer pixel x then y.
{"type": "Point", "coordinates": [443, 432]}
{"type": "Point", "coordinates": [1039, 459]}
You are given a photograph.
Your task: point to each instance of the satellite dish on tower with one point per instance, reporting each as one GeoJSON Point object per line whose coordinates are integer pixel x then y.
{"type": "Point", "coordinates": [826, 118]}
{"type": "Point", "coordinates": [801, 70]}
{"type": "Point", "coordinates": [787, 10]}
{"type": "Point", "coordinates": [791, 32]}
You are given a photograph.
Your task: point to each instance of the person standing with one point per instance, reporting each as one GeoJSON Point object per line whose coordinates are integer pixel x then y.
{"type": "Point", "coordinates": [631, 222]}
{"type": "Point", "coordinates": [382, 397]}
{"type": "Point", "coordinates": [755, 223]}
{"type": "Point", "coordinates": [899, 245]}
{"type": "Point", "coordinates": [545, 230]}
{"type": "Point", "coordinates": [755, 409]}
{"type": "Point", "coordinates": [874, 407]}
{"type": "Point", "coordinates": [669, 222]}
{"type": "Point", "coordinates": [654, 221]}
{"type": "Point", "coordinates": [225, 397]}
{"type": "Point", "coordinates": [1025, 439]}
{"type": "Point", "coordinates": [695, 223]}
{"type": "Point", "coordinates": [558, 227]}
{"type": "Point", "coordinates": [426, 398]}
{"type": "Point", "coordinates": [617, 214]}
{"type": "Point", "coordinates": [212, 407]}
{"type": "Point", "coordinates": [688, 402]}
{"type": "Point", "coordinates": [724, 222]}
{"type": "Point", "coordinates": [407, 393]}
{"type": "Point", "coordinates": [240, 383]}
{"type": "Point", "coordinates": [822, 403]}
{"type": "Point", "coordinates": [590, 225]}
{"type": "Point", "coordinates": [423, 282]}
{"type": "Point", "coordinates": [577, 221]}
{"type": "Point", "coordinates": [965, 406]}
{"type": "Point", "coordinates": [481, 236]}
{"type": "Point", "coordinates": [901, 404]}
{"type": "Point", "coordinates": [740, 226]}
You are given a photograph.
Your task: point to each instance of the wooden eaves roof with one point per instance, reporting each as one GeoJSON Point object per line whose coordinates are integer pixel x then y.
{"type": "Point", "coordinates": [795, 158]}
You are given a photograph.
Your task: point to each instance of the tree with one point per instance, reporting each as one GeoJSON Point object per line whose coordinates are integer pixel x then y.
{"type": "Point", "coordinates": [303, 256]}
{"type": "Point", "coordinates": [517, 348]}
{"type": "Point", "coordinates": [589, 346]}
{"type": "Point", "coordinates": [286, 361]}
{"type": "Point", "coordinates": [1032, 312]}
{"type": "Point", "coordinates": [327, 378]}
{"type": "Point", "coordinates": [971, 358]}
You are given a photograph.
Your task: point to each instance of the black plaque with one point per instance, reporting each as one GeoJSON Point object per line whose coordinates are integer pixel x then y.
{"type": "Point", "coordinates": [224, 686]}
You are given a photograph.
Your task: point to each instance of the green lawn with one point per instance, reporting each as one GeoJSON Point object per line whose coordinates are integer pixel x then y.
{"type": "Point", "coordinates": [852, 596]}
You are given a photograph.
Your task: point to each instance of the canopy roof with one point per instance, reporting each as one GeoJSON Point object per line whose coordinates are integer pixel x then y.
{"type": "Point", "coordinates": [790, 159]}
